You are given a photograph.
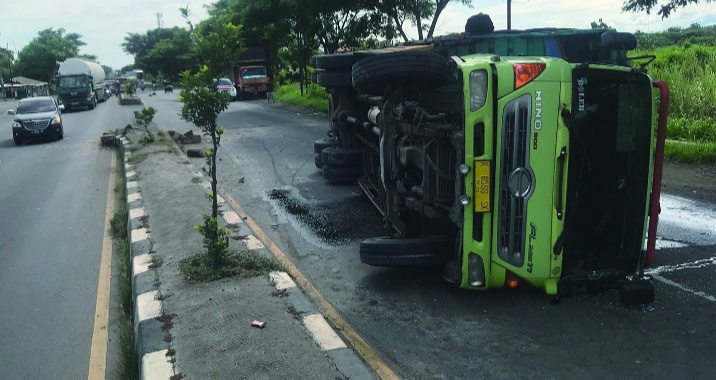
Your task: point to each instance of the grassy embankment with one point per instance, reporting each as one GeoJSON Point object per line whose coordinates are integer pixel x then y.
{"type": "Point", "coordinates": [690, 71]}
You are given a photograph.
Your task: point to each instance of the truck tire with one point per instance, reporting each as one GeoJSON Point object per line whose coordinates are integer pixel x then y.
{"type": "Point", "coordinates": [342, 61]}
{"type": "Point", "coordinates": [390, 252]}
{"type": "Point", "coordinates": [334, 79]}
{"type": "Point", "coordinates": [335, 173]}
{"type": "Point", "coordinates": [320, 145]}
{"type": "Point", "coordinates": [317, 160]}
{"type": "Point", "coordinates": [338, 156]}
{"type": "Point", "coordinates": [370, 75]}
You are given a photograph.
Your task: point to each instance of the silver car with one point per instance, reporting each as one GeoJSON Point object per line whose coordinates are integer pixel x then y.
{"type": "Point", "coordinates": [37, 117]}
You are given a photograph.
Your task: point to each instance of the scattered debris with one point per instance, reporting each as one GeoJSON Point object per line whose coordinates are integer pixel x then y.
{"type": "Point", "coordinates": [188, 138]}
{"type": "Point", "coordinates": [258, 324]}
{"type": "Point", "coordinates": [109, 139]}
{"type": "Point", "coordinates": [194, 152]}
{"type": "Point", "coordinates": [295, 313]}
{"type": "Point", "coordinates": [280, 293]}
{"type": "Point", "coordinates": [241, 180]}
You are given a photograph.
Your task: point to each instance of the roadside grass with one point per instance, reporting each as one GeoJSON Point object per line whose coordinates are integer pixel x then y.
{"type": "Point", "coordinates": [128, 367]}
{"type": "Point", "coordinates": [690, 72]}
{"type": "Point", "coordinates": [198, 267]}
{"type": "Point", "coordinates": [164, 139]}
{"type": "Point", "coordinates": [137, 158]}
{"type": "Point", "coordinates": [314, 96]}
{"type": "Point", "coordinates": [691, 152]}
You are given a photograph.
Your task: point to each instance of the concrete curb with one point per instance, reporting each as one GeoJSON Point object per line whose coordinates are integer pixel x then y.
{"type": "Point", "coordinates": [152, 350]}
{"type": "Point", "coordinates": [155, 356]}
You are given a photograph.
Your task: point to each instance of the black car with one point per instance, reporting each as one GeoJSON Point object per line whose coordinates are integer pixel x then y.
{"type": "Point", "coordinates": [36, 117]}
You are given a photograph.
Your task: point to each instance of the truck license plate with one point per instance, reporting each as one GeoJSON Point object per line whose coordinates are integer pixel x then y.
{"type": "Point", "coordinates": [482, 186]}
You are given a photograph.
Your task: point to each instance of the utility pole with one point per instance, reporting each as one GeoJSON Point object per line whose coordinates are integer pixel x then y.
{"type": "Point", "coordinates": [509, 14]}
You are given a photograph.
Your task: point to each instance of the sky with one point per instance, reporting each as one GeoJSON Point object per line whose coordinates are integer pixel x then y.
{"type": "Point", "coordinates": [103, 24]}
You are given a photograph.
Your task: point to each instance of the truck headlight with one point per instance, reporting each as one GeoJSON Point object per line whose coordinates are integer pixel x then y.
{"type": "Point", "coordinates": [16, 125]}
{"type": "Point", "coordinates": [56, 120]}
{"type": "Point", "coordinates": [478, 89]}
{"type": "Point", "coordinates": [475, 270]}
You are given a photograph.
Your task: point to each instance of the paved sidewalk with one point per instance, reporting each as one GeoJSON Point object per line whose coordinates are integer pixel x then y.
{"type": "Point", "coordinates": [203, 331]}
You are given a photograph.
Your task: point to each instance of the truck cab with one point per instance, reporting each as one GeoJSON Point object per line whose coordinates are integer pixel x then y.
{"type": "Point", "coordinates": [509, 158]}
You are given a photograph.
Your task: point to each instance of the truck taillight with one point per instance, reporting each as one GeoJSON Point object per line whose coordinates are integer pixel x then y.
{"type": "Point", "coordinates": [526, 72]}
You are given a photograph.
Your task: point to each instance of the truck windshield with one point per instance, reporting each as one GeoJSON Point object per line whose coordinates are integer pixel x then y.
{"type": "Point", "coordinates": [35, 106]}
{"type": "Point", "coordinates": [253, 72]}
{"type": "Point", "coordinates": [611, 132]}
{"type": "Point", "coordinates": [73, 81]}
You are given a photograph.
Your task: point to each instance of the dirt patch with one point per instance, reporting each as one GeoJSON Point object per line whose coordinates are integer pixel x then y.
{"type": "Point", "coordinates": [689, 180]}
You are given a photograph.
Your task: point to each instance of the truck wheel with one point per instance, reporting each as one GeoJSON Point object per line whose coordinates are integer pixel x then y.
{"type": "Point", "coordinates": [390, 252]}
{"type": "Point", "coordinates": [334, 173]}
{"type": "Point", "coordinates": [342, 61]}
{"type": "Point", "coordinates": [335, 155]}
{"type": "Point", "coordinates": [334, 79]}
{"type": "Point", "coordinates": [320, 145]}
{"type": "Point", "coordinates": [413, 69]}
{"type": "Point", "coordinates": [317, 160]}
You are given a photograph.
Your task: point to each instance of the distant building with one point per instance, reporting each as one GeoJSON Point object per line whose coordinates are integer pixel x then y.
{"type": "Point", "coordinates": [22, 87]}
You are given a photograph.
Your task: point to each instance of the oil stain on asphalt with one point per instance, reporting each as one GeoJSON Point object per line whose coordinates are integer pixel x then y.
{"type": "Point", "coordinates": [332, 223]}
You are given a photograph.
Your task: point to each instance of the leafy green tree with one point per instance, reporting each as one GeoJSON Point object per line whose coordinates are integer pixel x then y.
{"type": "Point", "coordinates": [665, 9]}
{"type": "Point", "coordinates": [600, 25]}
{"type": "Point", "coordinates": [6, 63]}
{"type": "Point", "coordinates": [40, 58]}
{"type": "Point", "coordinates": [162, 52]}
{"type": "Point", "coordinates": [202, 105]}
{"type": "Point", "coordinates": [220, 48]}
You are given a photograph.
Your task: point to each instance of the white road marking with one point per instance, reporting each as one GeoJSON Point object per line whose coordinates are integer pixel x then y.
{"type": "Point", "coordinates": [253, 243]}
{"type": "Point", "coordinates": [281, 280]}
{"type": "Point", "coordinates": [156, 365]}
{"type": "Point", "coordinates": [684, 288]}
{"type": "Point", "coordinates": [322, 332]}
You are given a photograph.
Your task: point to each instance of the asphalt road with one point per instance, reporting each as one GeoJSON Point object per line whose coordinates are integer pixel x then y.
{"type": "Point", "coordinates": [53, 198]}
{"type": "Point", "coordinates": [426, 329]}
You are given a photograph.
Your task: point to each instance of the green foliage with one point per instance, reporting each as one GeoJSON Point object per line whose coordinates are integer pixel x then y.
{"type": "Point", "coordinates": [691, 152]}
{"type": "Point", "coordinates": [216, 240]}
{"type": "Point", "coordinates": [666, 8]}
{"type": "Point", "coordinates": [199, 267]}
{"type": "Point", "coordinates": [118, 223]}
{"type": "Point", "coordinates": [165, 51]}
{"type": "Point", "coordinates": [6, 62]}
{"type": "Point", "coordinates": [144, 117]}
{"type": "Point", "coordinates": [314, 97]}
{"type": "Point", "coordinates": [38, 60]}
{"type": "Point", "coordinates": [600, 25]}
{"type": "Point", "coordinates": [690, 72]}
{"type": "Point", "coordinates": [202, 105]}
{"type": "Point", "coordinates": [130, 87]}
{"type": "Point", "coordinates": [220, 48]}
{"type": "Point", "coordinates": [691, 75]}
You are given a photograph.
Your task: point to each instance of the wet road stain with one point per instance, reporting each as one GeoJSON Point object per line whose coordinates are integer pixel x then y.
{"type": "Point", "coordinates": [336, 222]}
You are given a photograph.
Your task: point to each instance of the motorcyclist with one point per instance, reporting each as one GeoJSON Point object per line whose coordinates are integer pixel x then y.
{"type": "Point", "coordinates": [154, 84]}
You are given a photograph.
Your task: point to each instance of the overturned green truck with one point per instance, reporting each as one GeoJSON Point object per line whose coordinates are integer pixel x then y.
{"type": "Point", "coordinates": [516, 157]}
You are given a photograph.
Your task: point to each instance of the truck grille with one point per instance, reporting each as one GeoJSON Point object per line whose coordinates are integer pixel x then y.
{"type": "Point", "coordinates": [516, 180]}
{"type": "Point", "coordinates": [37, 125]}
